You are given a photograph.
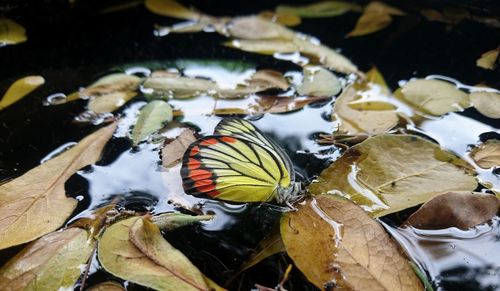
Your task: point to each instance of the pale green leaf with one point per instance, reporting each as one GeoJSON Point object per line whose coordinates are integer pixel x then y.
{"type": "Point", "coordinates": [318, 81]}
{"type": "Point", "coordinates": [151, 118]}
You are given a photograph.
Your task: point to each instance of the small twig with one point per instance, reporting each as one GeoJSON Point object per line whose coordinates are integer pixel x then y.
{"type": "Point", "coordinates": [285, 277]}
{"type": "Point", "coordinates": [87, 268]}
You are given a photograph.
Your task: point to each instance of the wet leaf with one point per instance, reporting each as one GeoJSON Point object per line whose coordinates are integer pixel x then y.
{"type": "Point", "coordinates": [268, 79]}
{"type": "Point", "coordinates": [488, 103]}
{"type": "Point", "coordinates": [287, 19]}
{"type": "Point", "coordinates": [335, 243]}
{"type": "Point", "coordinates": [19, 89]}
{"type": "Point", "coordinates": [487, 155]}
{"type": "Point", "coordinates": [110, 102]}
{"type": "Point", "coordinates": [488, 59]}
{"type": "Point", "coordinates": [35, 203]}
{"type": "Point", "coordinates": [435, 97]}
{"type": "Point", "coordinates": [388, 173]}
{"type": "Point", "coordinates": [52, 262]}
{"type": "Point", "coordinates": [455, 209]}
{"type": "Point", "coordinates": [318, 81]}
{"type": "Point", "coordinates": [150, 260]}
{"type": "Point", "coordinates": [256, 27]}
{"type": "Point", "coordinates": [376, 16]}
{"type": "Point", "coordinates": [173, 149]}
{"type": "Point", "coordinates": [171, 8]}
{"type": "Point", "coordinates": [269, 246]}
{"type": "Point", "coordinates": [151, 118]}
{"type": "Point", "coordinates": [212, 286]}
{"type": "Point", "coordinates": [319, 9]}
{"type": "Point", "coordinates": [171, 221]}
{"type": "Point", "coordinates": [107, 286]}
{"type": "Point", "coordinates": [11, 32]}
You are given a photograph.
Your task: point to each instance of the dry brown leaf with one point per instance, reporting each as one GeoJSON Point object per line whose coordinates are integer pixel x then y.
{"type": "Point", "coordinates": [487, 155]}
{"type": "Point", "coordinates": [19, 89]}
{"type": "Point", "coordinates": [50, 263]}
{"type": "Point", "coordinates": [268, 79]}
{"type": "Point", "coordinates": [376, 16]}
{"type": "Point", "coordinates": [36, 203]}
{"type": "Point", "coordinates": [455, 209]}
{"type": "Point", "coordinates": [335, 243]}
{"type": "Point", "coordinates": [388, 173]}
{"type": "Point", "coordinates": [488, 59]}
{"type": "Point", "coordinates": [256, 27]}
{"type": "Point", "coordinates": [488, 103]}
{"type": "Point", "coordinates": [173, 149]}
{"type": "Point", "coordinates": [11, 32]}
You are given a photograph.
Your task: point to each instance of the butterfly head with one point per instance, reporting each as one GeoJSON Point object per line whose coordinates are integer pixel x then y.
{"type": "Point", "coordinates": [289, 194]}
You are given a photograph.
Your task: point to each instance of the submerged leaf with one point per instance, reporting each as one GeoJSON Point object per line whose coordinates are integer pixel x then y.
{"type": "Point", "coordinates": [487, 155]}
{"type": "Point", "coordinates": [435, 97]}
{"type": "Point", "coordinates": [151, 118]}
{"type": "Point", "coordinates": [488, 103]}
{"type": "Point", "coordinates": [171, 8]}
{"type": "Point", "coordinates": [173, 149]}
{"type": "Point", "coordinates": [107, 286]}
{"type": "Point", "coordinates": [35, 203]}
{"type": "Point", "coordinates": [488, 59]}
{"type": "Point", "coordinates": [318, 81]}
{"type": "Point", "coordinates": [11, 32]}
{"type": "Point", "coordinates": [53, 262]}
{"type": "Point", "coordinates": [376, 16]}
{"type": "Point", "coordinates": [320, 9]}
{"type": "Point", "coordinates": [19, 89]}
{"type": "Point", "coordinates": [388, 173]}
{"type": "Point", "coordinates": [335, 243]}
{"type": "Point", "coordinates": [122, 258]}
{"type": "Point", "coordinates": [455, 209]}
{"type": "Point", "coordinates": [270, 245]}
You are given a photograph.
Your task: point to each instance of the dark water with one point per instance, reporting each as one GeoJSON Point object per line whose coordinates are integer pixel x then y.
{"type": "Point", "coordinates": [72, 47]}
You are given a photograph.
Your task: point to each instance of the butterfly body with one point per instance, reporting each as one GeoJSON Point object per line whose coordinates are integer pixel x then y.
{"type": "Point", "coordinates": [238, 163]}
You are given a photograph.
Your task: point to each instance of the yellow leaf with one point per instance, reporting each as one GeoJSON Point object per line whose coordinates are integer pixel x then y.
{"type": "Point", "coordinates": [376, 16]}
{"type": "Point", "coordinates": [50, 263]}
{"type": "Point", "coordinates": [171, 8]}
{"type": "Point", "coordinates": [335, 243]}
{"type": "Point", "coordinates": [126, 259]}
{"type": "Point", "coordinates": [11, 32]}
{"type": "Point", "coordinates": [486, 102]}
{"type": "Point", "coordinates": [36, 203]}
{"type": "Point", "coordinates": [487, 155]}
{"type": "Point", "coordinates": [488, 59]}
{"type": "Point", "coordinates": [287, 19]}
{"type": "Point", "coordinates": [388, 173]}
{"type": "Point", "coordinates": [19, 89]}
{"type": "Point", "coordinates": [319, 9]}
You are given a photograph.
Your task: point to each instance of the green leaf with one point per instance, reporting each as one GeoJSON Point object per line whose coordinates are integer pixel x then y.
{"type": "Point", "coordinates": [388, 173]}
{"type": "Point", "coordinates": [11, 32]}
{"type": "Point", "coordinates": [52, 262]}
{"type": "Point", "coordinates": [320, 9]}
{"type": "Point", "coordinates": [318, 81]}
{"type": "Point", "coordinates": [151, 118]}
{"type": "Point", "coordinates": [171, 221]}
{"type": "Point", "coordinates": [335, 243]}
{"type": "Point", "coordinates": [19, 89]}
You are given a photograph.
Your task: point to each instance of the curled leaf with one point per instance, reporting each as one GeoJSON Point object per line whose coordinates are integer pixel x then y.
{"type": "Point", "coordinates": [435, 97]}
{"type": "Point", "coordinates": [487, 155]}
{"type": "Point", "coordinates": [388, 173]}
{"type": "Point", "coordinates": [19, 89]}
{"type": "Point", "coordinates": [488, 103]}
{"type": "Point", "coordinates": [50, 263]}
{"type": "Point", "coordinates": [11, 32]}
{"type": "Point", "coordinates": [151, 118]}
{"type": "Point", "coordinates": [455, 209]}
{"type": "Point", "coordinates": [488, 59]}
{"type": "Point", "coordinates": [318, 81]}
{"type": "Point", "coordinates": [335, 243]}
{"type": "Point", "coordinates": [319, 9]}
{"type": "Point", "coordinates": [376, 16]}
{"type": "Point", "coordinates": [36, 203]}
{"type": "Point", "coordinates": [173, 149]}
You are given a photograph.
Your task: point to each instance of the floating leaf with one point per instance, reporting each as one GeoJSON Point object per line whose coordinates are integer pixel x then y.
{"type": "Point", "coordinates": [11, 32]}
{"type": "Point", "coordinates": [433, 96]}
{"type": "Point", "coordinates": [20, 88]}
{"type": "Point", "coordinates": [173, 149]}
{"type": "Point", "coordinates": [388, 173]}
{"type": "Point", "coordinates": [171, 221]}
{"type": "Point", "coordinates": [335, 243]}
{"type": "Point", "coordinates": [53, 262]}
{"type": "Point", "coordinates": [488, 103]}
{"type": "Point", "coordinates": [318, 81]}
{"type": "Point", "coordinates": [269, 246]}
{"type": "Point", "coordinates": [110, 102]}
{"type": "Point", "coordinates": [319, 9]}
{"type": "Point", "coordinates": [122, 258]}
{"type": "Point", "coordinates": [171, 8]}
{"type": "Point", "coordinates": [455, 209]}
{"type": "Point", "coordinates": [151, 118]}
{"type": "Point", "coordinates": [487, 155]}
{"type": "Point", "coordinates": [107, 286]}
{"type": "Point", "coordinates": [268, 79]}
{"type": "Point", "coordinates": [35, 203]}
{"type": "Point", "coordinates": [376, 16]}
{"type": "Point", "coordinates": [256, 27]}
{"type": "Point", "coordinates": [287, 19]}
{"type": "Point", "coordinates": [488, 59]}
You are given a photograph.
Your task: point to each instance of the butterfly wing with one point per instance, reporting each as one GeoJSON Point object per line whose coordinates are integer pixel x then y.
{"type": "Point", "coordinates": [233, 169]}
{"type": "Point", "coordinates": [243, 129]}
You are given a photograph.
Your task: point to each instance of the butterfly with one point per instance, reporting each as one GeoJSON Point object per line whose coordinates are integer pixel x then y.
{"type": "Point", "coordinates": [239, 163]}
